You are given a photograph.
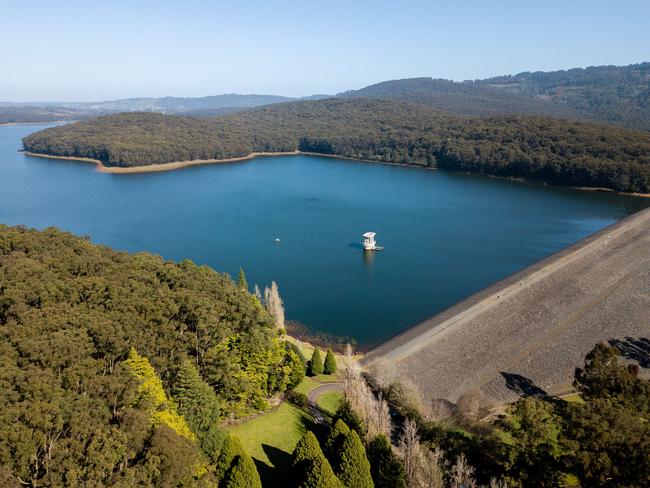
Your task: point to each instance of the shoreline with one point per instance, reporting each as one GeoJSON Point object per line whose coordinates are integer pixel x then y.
{"type": "Point", "coordinates": [517, 326]}
{"type": "Point", "coordinates": [5, 124]}
{"type": "Point", "coordinates": [175, 165]}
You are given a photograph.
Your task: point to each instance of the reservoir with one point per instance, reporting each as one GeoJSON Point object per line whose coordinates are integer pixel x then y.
{"type": "Point", "coordinates": [445, 235]}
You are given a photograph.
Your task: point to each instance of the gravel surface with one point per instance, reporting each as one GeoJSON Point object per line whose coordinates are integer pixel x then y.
{"type": "Point", "coordinates": [528, 332]}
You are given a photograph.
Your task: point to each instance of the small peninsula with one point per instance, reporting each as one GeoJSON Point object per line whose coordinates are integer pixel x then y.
{"type": "Point", "coordinates": [556, 151]}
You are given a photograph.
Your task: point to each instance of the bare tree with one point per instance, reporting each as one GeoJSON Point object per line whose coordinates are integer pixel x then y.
{"type": "Point", "coordinates": [406, 394]}
{"type": "Point", "coordinates": [274, 304]}
{"type": "Point", "coordinates": [409, 446]}
{"type": "Point", "coordinates": [257, 293]}
{"type": "Point", "coordinates": [430, 469]}
{"type": "Point", "coordinates": [441, 410]}
{"type": "Point", "coordinates": [497, 483]}
{"type": "Point", "coordinates": [473, 405]}
{"type": "Point", "coordinates": [372, 410]}
{"type": "Point", "coordinates": [461, 474]}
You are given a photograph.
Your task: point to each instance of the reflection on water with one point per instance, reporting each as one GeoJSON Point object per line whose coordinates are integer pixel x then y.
{"type": "Point", "coordinates": [368, 258]}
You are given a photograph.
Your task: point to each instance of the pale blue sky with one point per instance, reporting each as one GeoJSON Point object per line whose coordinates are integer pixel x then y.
{"type": "Point", "coordinates": [92, 50]}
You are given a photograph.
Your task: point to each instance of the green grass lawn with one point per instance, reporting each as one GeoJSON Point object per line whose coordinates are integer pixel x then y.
{"type": "Point", "coordinates": [271, 438]}
{"type": "Point", "coordinates": [330, 401]}
{"type": "Point", "coordinates": [311, 382]}
{"type": "Point", "coordinates": [575, 397]}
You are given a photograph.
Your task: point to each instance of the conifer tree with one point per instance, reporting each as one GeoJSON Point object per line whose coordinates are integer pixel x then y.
{"type": "Point", "coordinates": [242, 474]}
{"type": "Point", "coordinates": [315, 364]}
{"type": "Point", "coordinates": [199, 404]}
{"type": "Point", "coordinates": [298, 368]}
{"type": "Point", "coordinates": [353, 468]}
{"type": "Point", "coordinates": [241, 280]}
{"type": "Point", "coordinates": [310, 468]}
{"type": "Point", "coordinates": [386, 468]}
{"type": "Point", "coordinates": [329, 367]}
{"type": "Point", "coordinates": [334, 442]}
{"type": "Point", "coordinates": [231, 449]}
{"type": "Point", "coordinates": [319, 474]}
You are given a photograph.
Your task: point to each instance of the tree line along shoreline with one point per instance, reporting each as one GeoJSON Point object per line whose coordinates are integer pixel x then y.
{"type": "Point", "coordinates": [554, 151]}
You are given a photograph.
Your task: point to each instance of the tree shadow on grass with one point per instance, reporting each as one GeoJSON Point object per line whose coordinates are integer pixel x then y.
{"type": "Point", "coordinates": [276, 475]}
{"type": "Point", "coordinates": [522, 386]}
{"type": "Point", "coordinates": [635, 349]}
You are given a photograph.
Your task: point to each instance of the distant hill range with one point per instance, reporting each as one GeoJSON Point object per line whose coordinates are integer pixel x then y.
{"type": "Point", "coordinates": [612, 94]}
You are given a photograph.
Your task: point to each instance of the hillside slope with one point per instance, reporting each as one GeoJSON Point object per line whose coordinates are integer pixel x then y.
{"type": "Point", "coordinates": [615, 94]}
{"type": "Point", "coordinates": [461, 98]}
{"type": "Point", "coordinates": [542, 149]}
{"type": "Point", "coordinates": [89, 337]}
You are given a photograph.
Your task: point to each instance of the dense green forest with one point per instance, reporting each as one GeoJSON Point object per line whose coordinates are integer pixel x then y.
{"type": "Point", "coordinates": [463, 98]}
{"type": "Point", "coordinates": [116, 369]}
{"type": "Point", "coordinates": [615, 94]}
{"type": "Point", "coordinates": [612, 94]}
{"type": "Point", "coordinates": [119, 369]}
{"type": "Point", "coordinates": [562, 152]}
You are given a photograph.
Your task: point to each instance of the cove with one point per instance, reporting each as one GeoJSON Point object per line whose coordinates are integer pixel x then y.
{"type": "Point", "coordinates": [445, 235]}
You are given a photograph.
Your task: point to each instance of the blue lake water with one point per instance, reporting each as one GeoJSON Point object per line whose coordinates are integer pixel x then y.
{"type": "Point", "coordinates": [445, 235]}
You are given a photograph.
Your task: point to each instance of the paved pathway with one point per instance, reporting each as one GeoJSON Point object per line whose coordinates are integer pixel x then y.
{"type": "Point", "coordinates": [312, 399]}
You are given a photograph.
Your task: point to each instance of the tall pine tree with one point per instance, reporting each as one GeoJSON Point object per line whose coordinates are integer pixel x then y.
{"type": "Point", "coordinates": [230, 451]}
{"type": "Point", "coordinates": [315, 364]}
{"type": "Point", "coordinates": [309, 467]}
{"type": "Point", "coordinates": [242, 474]}
{"type": "Point", "coordinates": [241, 280]}
{"type": "Point", "coordinates": [353, 468]}
{"type": "Point", "coordinates": [386, 467]}
{"type": "Point", "coordinates": [334, 442]}
{"type": "Point", "coordinates": [199, 404]}
{"type": "Point", "coordinates": [329, 366]}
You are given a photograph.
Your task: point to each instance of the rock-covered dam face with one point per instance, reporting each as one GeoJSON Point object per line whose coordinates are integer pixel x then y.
{"type": "Point", "coordinates": [527, 333]}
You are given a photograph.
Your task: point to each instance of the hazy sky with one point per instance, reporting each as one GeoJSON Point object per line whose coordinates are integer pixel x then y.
{"type": "Point", "coordinates": [92, 50]}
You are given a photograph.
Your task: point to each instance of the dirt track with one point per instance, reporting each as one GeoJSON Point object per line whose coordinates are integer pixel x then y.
{"type": "Point", "coordinates": [529, 331]}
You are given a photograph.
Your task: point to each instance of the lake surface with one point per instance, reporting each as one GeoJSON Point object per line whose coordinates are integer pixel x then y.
{"type": "Point", "coordinates": [445, 235]}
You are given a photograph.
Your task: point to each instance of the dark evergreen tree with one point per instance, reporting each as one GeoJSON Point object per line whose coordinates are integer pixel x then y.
{"type": "Point", "coordinates": [199, 404]}
{"type": "Point", "coordinates": [335, 437]}
{"type": "Point", "coordinates": [309, 467]}
{"type": "Point", "coordinates": [241, 280]}
{"type": "Point", "coordinates": [350, 418]}
{"type": "Point", "coordinates": [242, 474]}
{"type": "Point", "coordinates": [315, 363]}
{"type": "Point", "coordinates": [353, 468]}
{"type": "Point", "coordinates": [232, 449]}
{"type": "Point", "coordinates": [329, 367]}
{"type": "Point", "coordinates": [386, 467]}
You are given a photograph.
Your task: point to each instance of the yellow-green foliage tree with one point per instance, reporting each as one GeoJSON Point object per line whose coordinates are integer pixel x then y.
{"type": "Point", "coordinates": [151, 395]}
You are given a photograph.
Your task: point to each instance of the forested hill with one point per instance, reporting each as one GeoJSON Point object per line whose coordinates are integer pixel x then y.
{"type": "Point", "coordinates": [461, 98]}
{"type": "Point", "coordinates": [612, 94]}
{"type": "Point", "coordinates": [616, 94]}
{"type": "Point", "coordinates": [557, 151]}
{"type": "Point", "coordinates": [116, 369]}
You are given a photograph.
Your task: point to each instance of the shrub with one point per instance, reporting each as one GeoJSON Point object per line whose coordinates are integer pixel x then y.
{"type": "Point", "coordinates": [329, 367]}
{"type": "Point", "coordinates": [315, 363]}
